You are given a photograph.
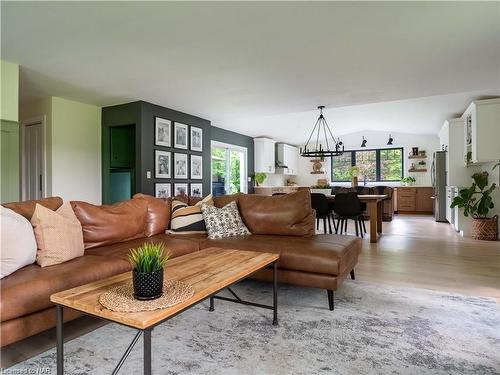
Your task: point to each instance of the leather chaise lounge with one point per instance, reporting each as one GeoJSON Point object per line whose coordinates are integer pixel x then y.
{"type": "Point", "coordinates": [280, 224]}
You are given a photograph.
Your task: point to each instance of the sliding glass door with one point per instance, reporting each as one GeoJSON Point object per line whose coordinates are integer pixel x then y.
{"type": "Point", "coordinates": [229, 169]}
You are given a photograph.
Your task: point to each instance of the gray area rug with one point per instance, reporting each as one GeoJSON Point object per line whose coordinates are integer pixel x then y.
{"type": "Point", "coordinates": [373, 330]}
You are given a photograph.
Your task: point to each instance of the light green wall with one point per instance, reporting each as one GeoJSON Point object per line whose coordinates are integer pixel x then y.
{"type": "Point", "coordinates": [9, 163]}
{"type": "Point", "coordinates": [76, 150]}
{"type": "Point", "coordinates": [9, 91]}
{"type": "Point", "coordinates": [9, 132]}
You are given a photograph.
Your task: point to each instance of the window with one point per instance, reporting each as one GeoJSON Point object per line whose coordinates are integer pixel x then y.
{"type": "Point", "coordinates": [228, 169]}
{"type": "Point", "coordinates": [340, 167]}
{"type": "Point", "coordinates": [374, 165]}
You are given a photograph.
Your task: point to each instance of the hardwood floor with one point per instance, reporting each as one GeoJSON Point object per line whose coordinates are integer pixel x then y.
{"type": "Point", "coordinates": [415, 251]}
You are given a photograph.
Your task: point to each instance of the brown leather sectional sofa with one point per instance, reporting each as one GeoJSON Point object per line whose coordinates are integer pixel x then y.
{"type": "Point", "coordinates": [281, 224]}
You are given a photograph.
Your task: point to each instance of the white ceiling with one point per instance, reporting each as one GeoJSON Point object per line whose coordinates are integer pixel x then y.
{"type": "Point", "coordinates": [240, 64]}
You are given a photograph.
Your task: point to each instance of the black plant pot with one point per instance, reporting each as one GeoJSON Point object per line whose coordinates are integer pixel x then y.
{"type": "Point", "coordinates": [147, 285]}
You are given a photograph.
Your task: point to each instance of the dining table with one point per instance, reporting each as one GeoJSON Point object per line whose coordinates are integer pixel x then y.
{"type": "Point", "coordinates": [375, 208]}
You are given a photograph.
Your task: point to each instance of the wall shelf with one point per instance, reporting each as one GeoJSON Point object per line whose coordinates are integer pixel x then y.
{"type": "Point", "coordinates": [417, 157]}
{"type": "Point", "coordinates": [417, 170]}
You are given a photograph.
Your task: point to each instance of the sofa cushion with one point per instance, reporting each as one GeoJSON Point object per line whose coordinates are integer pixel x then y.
{"type": "Point", "coordinates": [223, 222]}
{"type": "Point", "coordinates": [223, 200]}
{"type": "Point", "coordinates": [286, 215]}
{"type": "Point", "coordinates": [28, 289]}
{"type": "Point", "coordinates": [58, 235]}
{"type": "Point", "coordinates": [158, 217]}
{"type": "Point", "coordinates": [175, 246]}
{"type": "Point", "coordinates": [105, 225]}
{"type": "Point", "coordinates": [17, 242]}
{"type": "Point", "coordinates": [189, 219]}
{"type": "Point", "coordinates": [27, 208]}
{"type": "Point", "coordinates": [327, 254]}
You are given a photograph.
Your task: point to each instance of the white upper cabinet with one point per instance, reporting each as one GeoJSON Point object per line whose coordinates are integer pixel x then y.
{"type": "Point", "coordinates": [288, 156]}
{"type": "Point", "coordinates": [482, 131]}
{"type": "Point", "coordinates": [451, 138]}
{"type": "Point", "coordinates": [264, 155]}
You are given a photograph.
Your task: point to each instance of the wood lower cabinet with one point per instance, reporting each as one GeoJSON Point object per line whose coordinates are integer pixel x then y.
{"type": "Point", "coordinates": [415, 199]}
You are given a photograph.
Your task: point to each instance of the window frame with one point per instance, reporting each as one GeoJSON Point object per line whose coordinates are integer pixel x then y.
{"type": "Point", "coordinates": [377, 163]}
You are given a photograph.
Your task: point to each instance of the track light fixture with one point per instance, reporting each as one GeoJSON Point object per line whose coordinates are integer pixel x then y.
{"type": "Point", "coordinates": [363, 143]}
{"type": "Point", "coordinates": [389, 142]}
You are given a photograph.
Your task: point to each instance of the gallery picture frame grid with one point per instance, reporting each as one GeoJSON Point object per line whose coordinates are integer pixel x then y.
{"type": "Point", "coordinates": [172, 165]}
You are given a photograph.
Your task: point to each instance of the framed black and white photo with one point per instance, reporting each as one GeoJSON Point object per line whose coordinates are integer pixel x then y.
{"type": "Point", "coordinates": [196, 167]}
{"type": "Point", "coordinates": [162, 164]}
{"type": "Point", "coordinates": [196, 139]}
{"type": "Point", "coordinates": [163, 190]}
{"type": "Point", "coordinates": [180, 135]}
{"type": "Point", "coordinates": [163, 133]}
{"type": "Point", "coordinates": [180, 166]}
{"type": "Point", "coordinates": [196, 190]}
{"type": "Point", "coordinates": [181, 189]}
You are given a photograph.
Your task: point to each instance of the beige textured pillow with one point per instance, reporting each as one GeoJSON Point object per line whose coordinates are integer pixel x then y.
{"type": "Point", "coordinates": [58, 235]}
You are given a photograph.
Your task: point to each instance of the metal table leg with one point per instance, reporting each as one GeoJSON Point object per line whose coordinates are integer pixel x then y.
{"type": "Point", "coordinates": [275, 293]}
{"type": "Point", "coordinates": [211, 308]}
{"type": "Point", "coordinates": [60, 340]}
{"type": "Point", "coordinates": [147, 351]}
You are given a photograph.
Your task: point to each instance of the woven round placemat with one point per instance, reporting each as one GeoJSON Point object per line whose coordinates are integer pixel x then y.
{"type": "Point", "coordinates": [121, 298]}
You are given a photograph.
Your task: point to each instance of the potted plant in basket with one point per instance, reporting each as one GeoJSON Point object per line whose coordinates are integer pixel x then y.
{"type": "Point", "coordinates": [148, 261]}
{"type": "Point", "coordinates": [477, 202]}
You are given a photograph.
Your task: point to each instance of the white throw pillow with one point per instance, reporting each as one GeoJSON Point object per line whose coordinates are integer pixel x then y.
{"type": "Point", "coordinates": [17, 240]}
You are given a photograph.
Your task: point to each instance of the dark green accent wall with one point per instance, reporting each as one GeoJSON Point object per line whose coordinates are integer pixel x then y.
{"type": "Point", "coordinates": [227, 136]}
{"type": "Point", "coordinates": [142, 116]}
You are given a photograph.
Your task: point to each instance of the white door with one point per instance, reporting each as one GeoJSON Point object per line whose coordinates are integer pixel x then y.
{"type": "Point", "coordinates": [33, 161]}
{"type": "Point", "coordinates": [229, 169]}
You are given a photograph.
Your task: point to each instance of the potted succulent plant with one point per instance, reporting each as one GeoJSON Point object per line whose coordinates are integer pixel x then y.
{"type": "Point", "coordinates": [408, 181]}
{"type": "Point", "coordinates": [148, 262]}
{"type": "Point", "coordinates": [260, 177]}
{"type": "Point", "coordinates": [477, 201]}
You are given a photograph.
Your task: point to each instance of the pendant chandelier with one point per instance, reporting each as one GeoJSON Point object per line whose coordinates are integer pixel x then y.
{"type": "Point", "coordinates": [321, 142]}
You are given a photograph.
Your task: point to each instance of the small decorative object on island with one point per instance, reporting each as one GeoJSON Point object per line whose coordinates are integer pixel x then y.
{"type": "Point", "coordinates": [322, 189]}
{"type": "Point", "coordinates": [148, 261]}
{"type": "Point", "coordinates": [354, 173]}
{"type": "Point", "coordinates": [260, 177]}
{"type": "Point", "coordinates": [408, 181]}
{"type": "Point", "coordinates": [477, 202]}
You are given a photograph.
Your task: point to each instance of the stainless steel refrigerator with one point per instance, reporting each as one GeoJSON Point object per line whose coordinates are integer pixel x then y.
{"type": "Point", "coordinates": [438, 176]}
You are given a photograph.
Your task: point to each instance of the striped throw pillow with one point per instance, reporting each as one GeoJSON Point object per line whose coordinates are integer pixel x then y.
{"type": "Point", "coordinates": [188, 219]}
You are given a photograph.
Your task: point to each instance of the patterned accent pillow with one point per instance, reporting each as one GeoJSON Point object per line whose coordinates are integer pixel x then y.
{"type": "Point", "coordinates": [223, 222]}
{"type": "Point", "coordinates": [188, 219]}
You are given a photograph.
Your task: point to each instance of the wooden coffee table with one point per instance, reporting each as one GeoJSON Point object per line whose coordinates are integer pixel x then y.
{"type": "Point", "coordinates": [208, 271]}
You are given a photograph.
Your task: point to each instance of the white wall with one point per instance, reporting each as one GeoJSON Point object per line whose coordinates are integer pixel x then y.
{"type": "Point", "coordinates": [73, 147]}
{"type": "Point", "coordinates": [377, 139]}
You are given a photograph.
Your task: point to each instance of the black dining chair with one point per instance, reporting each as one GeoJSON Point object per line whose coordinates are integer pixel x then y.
{"type": "Point", "coordinates": [348, 206]}
{"type": "Point", "coordinates": [319, 203]}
